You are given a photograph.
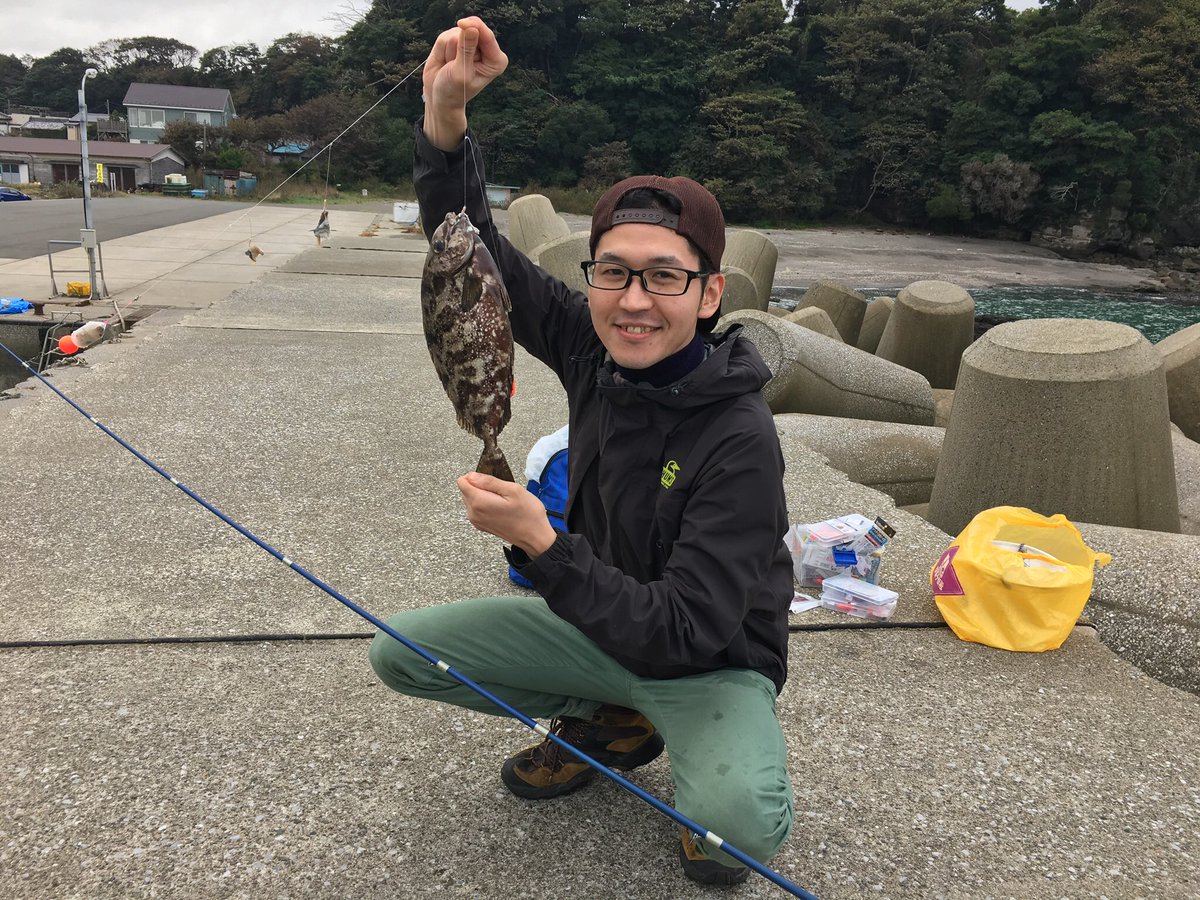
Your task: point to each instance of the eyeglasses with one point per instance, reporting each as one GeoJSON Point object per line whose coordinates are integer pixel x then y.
{"type": "Point", "coordinates": [665, 280]}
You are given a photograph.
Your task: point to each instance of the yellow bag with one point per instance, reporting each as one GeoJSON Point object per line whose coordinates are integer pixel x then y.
{"type": "Point", "coordinates": [1014, 579]}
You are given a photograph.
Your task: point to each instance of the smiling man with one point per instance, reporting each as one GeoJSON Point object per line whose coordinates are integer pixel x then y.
{"type": "Point", "coordinates": [662, 615]}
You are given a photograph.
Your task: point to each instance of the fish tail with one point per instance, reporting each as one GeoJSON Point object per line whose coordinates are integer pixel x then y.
{"type": "Point", "coordinates": [492, 462]}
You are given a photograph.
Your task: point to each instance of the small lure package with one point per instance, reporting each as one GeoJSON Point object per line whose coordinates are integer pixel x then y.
{"type": "Point", "coordinates": [851, 544]}
{"type": "Point", "coordinates": [855, 597]}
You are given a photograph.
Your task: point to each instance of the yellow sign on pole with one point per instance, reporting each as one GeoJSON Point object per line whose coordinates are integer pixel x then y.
{"type": "Point", "coordinates": [100, 173]}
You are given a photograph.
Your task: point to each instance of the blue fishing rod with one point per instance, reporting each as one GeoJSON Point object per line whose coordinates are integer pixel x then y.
{"type": "Point", "coordinates": [709, 837]}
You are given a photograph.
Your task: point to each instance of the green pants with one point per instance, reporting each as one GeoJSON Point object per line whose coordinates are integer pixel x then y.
{"type": "Point", "coordinates": [728, 757]}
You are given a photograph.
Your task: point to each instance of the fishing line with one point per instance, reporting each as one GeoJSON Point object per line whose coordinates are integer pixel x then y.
{"type": "Point", "coordinates": [317, 155]}
{"type": "Point", "coordinates": [703, 833]}
{"type": "Point", "coordinates": [328, 163]}
{"type": "Point", "coordinates": [469, 149]}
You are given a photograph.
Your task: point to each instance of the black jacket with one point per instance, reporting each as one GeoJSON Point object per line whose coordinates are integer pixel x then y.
{"type": "Point", "coordinates": [675, 563]}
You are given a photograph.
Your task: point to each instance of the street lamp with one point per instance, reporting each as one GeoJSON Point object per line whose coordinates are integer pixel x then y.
{"type": "Point", "coordinates": [87, 237]}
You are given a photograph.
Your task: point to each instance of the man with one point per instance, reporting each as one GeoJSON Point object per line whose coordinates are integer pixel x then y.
{"type": "Point", "coordinates": [662, 617]}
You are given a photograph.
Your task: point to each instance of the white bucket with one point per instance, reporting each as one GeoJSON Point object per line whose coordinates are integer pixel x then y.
{"type": "Point", "coordinates": [405, 213]}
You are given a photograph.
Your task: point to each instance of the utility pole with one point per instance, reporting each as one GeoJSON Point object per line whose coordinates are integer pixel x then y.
{"type": "Point", "coordinates": [87, 237]}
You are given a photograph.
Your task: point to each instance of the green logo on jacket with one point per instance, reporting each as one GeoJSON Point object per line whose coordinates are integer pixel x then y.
{"type": "Point", "coordinates": [670, 470]}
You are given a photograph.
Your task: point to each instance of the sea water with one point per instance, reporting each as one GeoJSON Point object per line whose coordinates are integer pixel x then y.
{"type": "Point", "coordinates": [1154, 315]}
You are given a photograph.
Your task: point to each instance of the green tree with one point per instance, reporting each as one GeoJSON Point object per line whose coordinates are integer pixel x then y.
{"type": "Point", "coordinates": [296, 68]}
{"type": "Point", "coordinates": [1000, 188]}
{"type": "Point", "coordinates": [892, 76]}
{"type": "Point", "coordinates": [234, 67]}
{"type": "Point", "coordinates": [1081, 151]}
{"type": "Point", "coordinates": [760, 155]}
{"type": "Point", "coordinates": [1150, 68]}
{"type": "Point", "coordinates": [12, 75]}
{"type": "Point", "coordinates": [567, 134]}
{"type": "Point", "coordinates": [644, 64]}
{"type": "Point", "coordinates": [53, 81]}
{"type": "Point", "coordinates": [605, 165]}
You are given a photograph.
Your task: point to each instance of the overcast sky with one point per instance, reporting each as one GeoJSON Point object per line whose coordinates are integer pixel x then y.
{"type": "Point", "coordinates": [39, 27]}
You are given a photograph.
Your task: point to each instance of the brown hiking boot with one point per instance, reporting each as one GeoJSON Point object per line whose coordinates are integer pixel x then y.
{"type": "Point", "coordinates": [616, 737]}
{"type": "Point", "coordinates": [703, 870]}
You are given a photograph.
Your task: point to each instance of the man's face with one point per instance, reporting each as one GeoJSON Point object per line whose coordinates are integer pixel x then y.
{"type": "Point", "coordinates": [638, 328]}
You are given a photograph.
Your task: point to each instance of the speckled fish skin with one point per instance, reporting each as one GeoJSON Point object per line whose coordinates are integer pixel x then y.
{"type": "Point", "coordinates": [464, 307]}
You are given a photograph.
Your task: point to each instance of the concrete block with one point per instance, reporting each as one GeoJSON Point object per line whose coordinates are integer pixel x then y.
{"type": "Point", "coordinates": [561, 258]}
{"type": "Point", "coordinates": [756, 255]}
{"type": "Point", "coordinates": [943, 399]}
{"type": "Point", "coordinates": [895, 459]}
{"type": "Point", "coordinates": [875, 319]}
{"type": "Point", "coordinates": [532, 222]}
{"type": "Point", "coordinates": [1062, 416]}
{"type": "Point", "coordinates": [845, 306]}
{"type": "Point", "coordinates": [814, 374]}
{"type": "Point", "coordinates": [1187, 481]}
{"type": "Point", "coordinates": [815, 319]}
{"type": "Point", "coordinates": [931, 325]}
{"type": "Point", "coordinates": [740, 292]}
{"type": "Point", "coordinates": [1146, 602]}
{"type": "Point", "coordinates": [1181, 357]}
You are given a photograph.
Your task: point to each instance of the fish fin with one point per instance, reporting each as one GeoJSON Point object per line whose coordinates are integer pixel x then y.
{"type": "Point", "coordinates": [495, 464]}
{"type": "Point", "coordinates": [471, 294]}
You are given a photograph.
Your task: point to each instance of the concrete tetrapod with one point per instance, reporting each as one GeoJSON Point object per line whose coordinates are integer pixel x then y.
{"type": "Point", "coordinates": [875, 319]}
{"type": "Point", "coordinates": [1062, 416]}
{"type": "Point", "coordinates": [815, 319]}
{"type": "Point", "coordinates": [930, 326]}
{"type": "Point", "coordinates": [740, 292]}
{"type": "Point", "coordinates": [755, 254]}
{"type": "Point", "coordinates": [532, 222]}
{"type": "Point", "coordinates": [561, 258]}
{"type": "Point", "coordinates": [898, 460]}
{"type": "Point", "coordinates": [846, 307]}
{"type": "Point", "coordinates": [815, 374]}
{"type": "Point", "coordinates": [1181, 356]}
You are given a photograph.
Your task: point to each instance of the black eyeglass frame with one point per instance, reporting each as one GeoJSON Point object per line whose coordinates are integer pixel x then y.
{"type": "Point", "coordinates": [588, 265]}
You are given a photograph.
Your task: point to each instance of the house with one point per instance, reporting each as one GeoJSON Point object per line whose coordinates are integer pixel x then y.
{"type": "Point", "coordinates": [106, 127]}
{"type": "Point", "coordinates": [51, 160]}
{"type": "Point", "coordinates": [52, 125]}
{"type": "Point", "coordinates": [151, 107]}
{"type": "Point", "coordinates": [282, 153]}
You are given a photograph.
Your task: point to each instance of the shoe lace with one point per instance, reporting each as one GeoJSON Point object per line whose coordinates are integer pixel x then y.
{"type": "Point", "coordinates": [551, 755]}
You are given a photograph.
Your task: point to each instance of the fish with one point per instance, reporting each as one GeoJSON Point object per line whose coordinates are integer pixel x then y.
{"type": "Point", "coordinates": [322, 229]}
{"type": "Point", "coordinates": [464, 309]}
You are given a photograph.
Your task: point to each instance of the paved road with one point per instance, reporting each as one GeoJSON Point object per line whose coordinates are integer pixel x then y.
{"type": "Point", "coordinates": [25, 227]}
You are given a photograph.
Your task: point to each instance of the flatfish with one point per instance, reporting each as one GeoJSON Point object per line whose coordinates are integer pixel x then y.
{"type": "Point", "coordinates": [464, 307]}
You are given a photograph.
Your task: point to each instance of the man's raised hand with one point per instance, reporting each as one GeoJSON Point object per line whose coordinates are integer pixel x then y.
{"type": "Point", "coordinates": [463, 61]}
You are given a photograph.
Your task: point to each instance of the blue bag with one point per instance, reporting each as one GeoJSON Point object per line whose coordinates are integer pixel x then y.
{"type": "Point", "coordinates": [550, 485]}
{"type": "Point", "coordinates": [14, 305]}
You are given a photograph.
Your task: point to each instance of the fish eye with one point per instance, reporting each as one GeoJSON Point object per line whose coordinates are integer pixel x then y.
{"type": "Point", "coordinates": [439, 246]}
